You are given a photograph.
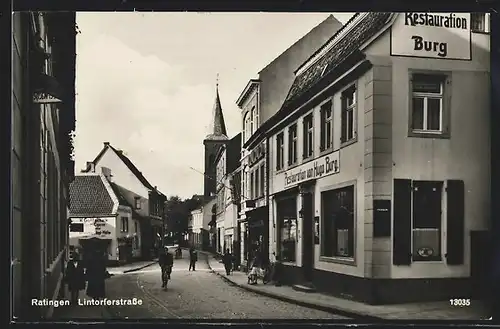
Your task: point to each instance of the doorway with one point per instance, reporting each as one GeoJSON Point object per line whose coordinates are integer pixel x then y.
{"type": "Point", "coordinates": [307, 237]}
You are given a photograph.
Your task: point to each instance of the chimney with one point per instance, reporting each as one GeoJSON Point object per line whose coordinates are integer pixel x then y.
{"type": "Point", "coordinates": [107, 173]}
{"type": "Point", "coordinates": [90, 166]}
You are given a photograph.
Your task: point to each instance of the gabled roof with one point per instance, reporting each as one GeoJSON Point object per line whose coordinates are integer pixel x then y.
{"type": "Point", "coordinates": [127, 198]}
{"type": "Point", "coordinates": [366, 28]}
{"type": "Point", "coordinates": [89, 197]}
{"type": "Point", "coordinates": [137, 173]}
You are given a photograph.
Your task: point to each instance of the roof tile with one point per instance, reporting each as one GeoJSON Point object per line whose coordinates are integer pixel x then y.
{"type": "Point", "coordinates": [348, 45]}
{"type": "Point", "coordinates": [89, 196]}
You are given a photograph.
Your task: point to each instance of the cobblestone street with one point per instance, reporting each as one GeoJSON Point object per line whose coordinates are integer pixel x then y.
{"type": "Point", "coordinates": [191, 295]}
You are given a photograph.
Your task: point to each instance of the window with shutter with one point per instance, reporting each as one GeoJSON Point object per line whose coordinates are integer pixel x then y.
{"type": "Point", "coordinates": [455, 222]}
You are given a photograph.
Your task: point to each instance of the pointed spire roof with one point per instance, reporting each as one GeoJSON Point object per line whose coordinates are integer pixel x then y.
{"type": "Point", "coordinates": [217, 126]}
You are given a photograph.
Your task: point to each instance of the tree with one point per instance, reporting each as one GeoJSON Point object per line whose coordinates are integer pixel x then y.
{"type": "Point", "coordinates": [177, 212]}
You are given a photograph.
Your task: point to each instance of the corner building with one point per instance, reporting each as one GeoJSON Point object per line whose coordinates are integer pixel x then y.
{"type": "Point", "coordinates": [380, 161]}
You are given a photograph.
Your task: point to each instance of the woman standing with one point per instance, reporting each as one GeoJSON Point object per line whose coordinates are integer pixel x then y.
{"type": "Point", "coordinates": [96, 276]}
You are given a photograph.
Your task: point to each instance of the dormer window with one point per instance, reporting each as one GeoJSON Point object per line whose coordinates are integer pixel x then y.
{"type": "Point", "coordinates": [137, 203]}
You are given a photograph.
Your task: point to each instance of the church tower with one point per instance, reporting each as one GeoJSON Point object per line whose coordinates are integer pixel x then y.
{"type": "Point", "coordinates": [217, 136]}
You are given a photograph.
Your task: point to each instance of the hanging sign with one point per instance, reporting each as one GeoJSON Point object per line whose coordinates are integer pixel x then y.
{"type": "Point", "coordinates": [45, 98]}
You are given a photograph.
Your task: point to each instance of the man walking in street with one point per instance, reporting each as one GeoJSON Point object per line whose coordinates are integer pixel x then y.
{"type": "Point", "coordinates": [193, 258]}
{"type": "Point", "coordinates": [227, 260]}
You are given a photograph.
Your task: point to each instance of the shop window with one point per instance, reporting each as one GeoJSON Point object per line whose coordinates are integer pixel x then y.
{"type": "Point", "coordinates": [287, 221]}
{"type": "Point", "coordinates": [478, 22]}
{"type": "Point", "coordinates": [348, 100]}
{"type": "Point", "coordinates": [338, 223]}
{"type": "Point", "coordinates": [280, 151]}
{"type": "Point", "coordinates": [76, 227]}
{"type": "Point", "coordinates": [308, 139]}
{"type": "Point", "coordinates": [124, 224]}
{"type": "Point", "coordinates": [427, 197]}
{"type": "Point", "coordinates": [326, 140]}
{"type": "Point", "coordinates": [292, 144]}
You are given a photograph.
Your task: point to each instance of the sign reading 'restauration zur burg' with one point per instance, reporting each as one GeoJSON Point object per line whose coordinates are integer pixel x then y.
{"type": "Point", "coordinates": [432, 35]}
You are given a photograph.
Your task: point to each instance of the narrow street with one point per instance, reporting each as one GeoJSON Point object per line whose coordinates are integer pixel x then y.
{"type": "Point", "coordinates": [196, 295]}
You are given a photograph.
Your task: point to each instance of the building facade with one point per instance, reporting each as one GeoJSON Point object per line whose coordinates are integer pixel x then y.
{"type": "Point", "coordinates": [145, 198]}
{"type": "Point", "coordinates": [374, 156]}
{"type": "Point", "coordinates": [227, 204]}
{"type": "Point", "coordinates": [41, 164]}
{"type": "Point", "coordinates": [258, 102]}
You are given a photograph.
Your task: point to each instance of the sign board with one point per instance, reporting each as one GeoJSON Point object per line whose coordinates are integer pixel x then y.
{"type": "Point", "coordinates": [432, 35]}
{"type": "Point", "coordinates": [45, 98]}
{"type": "Point", "coordinates": [95, 227]}
{"type": "Point", "coordinates": [317, 168]}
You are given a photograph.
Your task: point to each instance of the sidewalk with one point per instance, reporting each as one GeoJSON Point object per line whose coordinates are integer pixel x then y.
{"type": "Point", "coordinates": [132, 267]}
{"type": "Point", "coordinates": [410, 311]}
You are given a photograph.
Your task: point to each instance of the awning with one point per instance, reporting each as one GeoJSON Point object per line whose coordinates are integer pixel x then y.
{"type": "Point", "coordinates": [46, 89]}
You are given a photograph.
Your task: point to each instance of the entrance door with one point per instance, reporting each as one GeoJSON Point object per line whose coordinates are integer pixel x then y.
{"type": "Point", "coordinates": [307, 236]}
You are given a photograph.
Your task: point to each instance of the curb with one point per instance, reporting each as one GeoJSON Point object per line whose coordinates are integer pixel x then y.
{"type": "Point", "coordinates": [140, 268]}
{"type": "Point", "coordinates": [329, 309]}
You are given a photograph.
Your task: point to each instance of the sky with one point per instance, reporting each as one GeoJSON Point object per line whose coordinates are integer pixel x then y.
{"type": "Point", "coordinates": [146, 83]}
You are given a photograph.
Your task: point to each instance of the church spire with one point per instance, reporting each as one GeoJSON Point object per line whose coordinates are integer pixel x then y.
{"type": "Point", "coordinates": [218, 126]}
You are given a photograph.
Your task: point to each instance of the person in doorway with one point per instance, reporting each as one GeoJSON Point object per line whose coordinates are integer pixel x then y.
{"type": "Point", "coordinates": [227, 260]}
{"type": "Point", "coordinates": [96, 275]}
{"type": "Point", "coordinates": [193, 258]}
{"type": "Point", "coordinates": [74, 277]}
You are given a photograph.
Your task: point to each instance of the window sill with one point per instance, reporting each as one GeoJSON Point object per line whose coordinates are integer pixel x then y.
{"type": "Point", "coordinates": [421, 260]}
{"type": "Point", "coordinates": [480, 32]}
{"type": "Point", "coordinates": [291, 166]}
{"type": "Point", "coordinates": [338, 260]}
{"type": "Point", "coordinates": [289, 263]}
{"type": "Point", "coordinates": [349, 142]}
{"type": "Point", "coordinates": [326, 151]}
{"type": "Point", "coordinates": [424, 134]}
{"type": "Point", "coordinates": [307, 158]}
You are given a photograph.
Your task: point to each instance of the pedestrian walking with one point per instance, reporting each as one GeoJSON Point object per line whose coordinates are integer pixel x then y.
{"type": "Point", "coordinates": [74, 277]}
{"type": "Point", "coordinates": [193, 258]}
{"type": "Point", "coordinates": [96, 276]}
{"type": "Point", "coordinates": [227, 260]}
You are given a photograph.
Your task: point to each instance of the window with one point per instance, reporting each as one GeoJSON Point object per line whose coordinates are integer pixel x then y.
{"type": "Point", "coordinates": [280, 151]}
{"type": "Point", "coordinates": [136, 227]}
{"type": "Point", "coordinates": [338, 223]}
{"type": "Point", "coordinates": [427, 197]}
{"type": "Point", "coordinates": [326, 139]}
{"type": "Point", "coordinates": [252, 114]}
{"type": "Point", "coordinates": [478, 22]}
{"type": "Point", "coordinates": [76, 227]}
{"type": "Point", "coordinates": [245, 127]}
{"type": "Point", "coordinates": [257, 183]}
{"type": "Point", "coordinates": [308, 138]}
{"type": "Point", "coordinates": [252, 184]}
{"type": "Point", "coordinates": [124, 227]}
{"type": "Point", "coordinates": [287, 222]}
{"type": "Point", "coordinates": [347, 120]}
{"type": "Point", "coordinates": [292, 144]}
{"type": "Point", "coordinates": [427, 103]}
{"type": "Point", "coordinates": [262, 179]}
{"type": "Point", "coordinates": [256, 119]}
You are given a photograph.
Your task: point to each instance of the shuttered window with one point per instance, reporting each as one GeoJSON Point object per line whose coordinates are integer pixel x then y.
{"type": "Point", "coordinates": [418, 219]}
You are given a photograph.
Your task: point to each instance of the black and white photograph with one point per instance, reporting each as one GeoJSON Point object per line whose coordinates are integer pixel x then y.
{"type": "Point", "coordinates": [250, 165]}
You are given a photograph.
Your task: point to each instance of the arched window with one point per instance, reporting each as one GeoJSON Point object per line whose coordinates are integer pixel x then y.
{"type": "Point", "coordinates": [245, 127]}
